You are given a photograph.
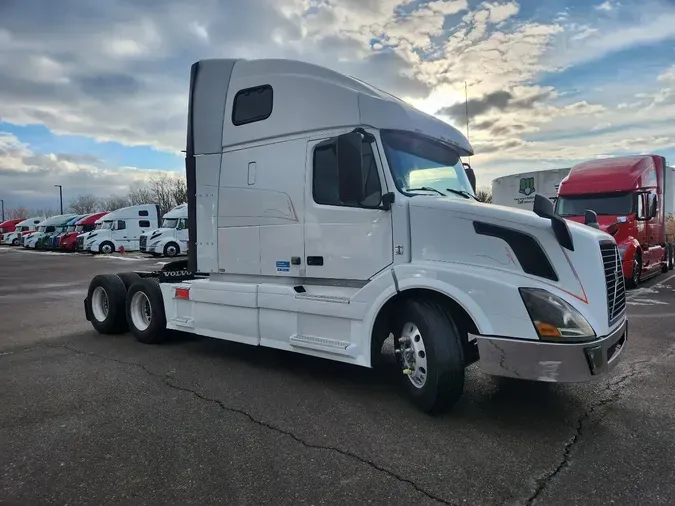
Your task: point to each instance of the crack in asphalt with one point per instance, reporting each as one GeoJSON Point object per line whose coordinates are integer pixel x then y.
{"type": "Point", "coordinates": [636, 368]}
{"type": "Point", "coordinates": [168, 381]}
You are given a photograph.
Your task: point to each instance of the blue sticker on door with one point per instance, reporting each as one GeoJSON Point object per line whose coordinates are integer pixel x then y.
{"type": "Point", "coordinates": [283, 266]}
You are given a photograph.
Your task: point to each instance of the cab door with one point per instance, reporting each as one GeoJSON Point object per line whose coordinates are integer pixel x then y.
{"type": "Point", "coordinates": [342, 240]}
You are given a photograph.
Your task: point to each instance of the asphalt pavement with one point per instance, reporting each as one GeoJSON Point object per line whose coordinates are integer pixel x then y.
{"type": "Point", "coordinates": [91, 419]}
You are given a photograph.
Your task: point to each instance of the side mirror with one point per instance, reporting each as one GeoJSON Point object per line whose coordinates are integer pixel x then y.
{"type": "Point", "coordinates": [471, 175]}
{"type": "Point", "coordinates": [350, 167]}
{"type": "Point", "coordinates": [591, 219]}
{"type": "Point", "coordinates": [543, 208]}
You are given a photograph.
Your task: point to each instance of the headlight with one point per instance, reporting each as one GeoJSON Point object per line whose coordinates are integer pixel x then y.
{"type": "Point", "coordinates": [622, 250]}
{"type": "Point", "coordinates": [555, 319]}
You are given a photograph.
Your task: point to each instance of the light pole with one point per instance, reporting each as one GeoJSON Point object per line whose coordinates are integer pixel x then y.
{"type": "Point", "coordinates": [3, 209]}
{"type": "Point", "coordinates": [60, 196]}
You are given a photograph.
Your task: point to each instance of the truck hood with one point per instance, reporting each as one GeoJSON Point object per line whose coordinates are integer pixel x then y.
{"type": "Point", "coordinates": [605, 221]}
{"type": "Point", "coordinates": [445, 229]}
{"type": "Point", "coordinates": [161, 232]}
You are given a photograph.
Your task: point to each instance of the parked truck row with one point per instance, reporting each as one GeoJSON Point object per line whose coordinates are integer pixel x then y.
{"type": "Point", "coordinates": [325, 215]}
{"type": "Point", "coordinates": [127, 229]}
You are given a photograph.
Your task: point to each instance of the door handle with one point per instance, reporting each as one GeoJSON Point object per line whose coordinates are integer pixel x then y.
{"type": "Point", "coordinates": [314, 260]}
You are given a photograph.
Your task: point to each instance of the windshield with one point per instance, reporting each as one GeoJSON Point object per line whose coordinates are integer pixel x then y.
{"type": "Point", "coordinates": [170, 223]}
{"type": "Point", "coordinates": [79, 228]}
{"type": "Point", "coordinates": [98, 226]}
{"type": "Point", "coordinates": [22, 229]}
{"type": "Point", "coordinates": [41, 229]}
{"type": "Point", "coordinates": [417, 161]}
{"type": "Point", "coordinates": [107, 225]}
{"type": "Point", "coordinates": [71, 228]}
{"type": "Point", "coordinates": [607, 205]}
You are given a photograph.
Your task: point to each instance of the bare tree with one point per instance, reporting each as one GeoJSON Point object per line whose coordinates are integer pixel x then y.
{"type": "Point", "coordinates": [83, 204]}
{"type": "Point", "coordinates": [16, 213]}
{"type": "Point", "coordinates": [114, 202]}
{"type": "Point", "coordinates": [179, 191]}
{"type": "Point", "coordinates": [139, 194]}
{"type": "Point", "coordinates": [484, 195]}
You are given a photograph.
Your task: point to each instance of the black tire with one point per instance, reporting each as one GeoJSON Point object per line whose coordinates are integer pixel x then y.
{"type": "Point", "coordinates": [155, 332]}
{"type": "Point", "coordinates": [15, 242]}
{"type": "Point", "coordinates": [171, 249]}
{"type": "Point", "coordinates": [671, 257]}
{"type": "Point", "coordinates": [636, 275]}
{"type": "Point", "coordinates": [114, 321]}
{"type": "Point", "coordinates": [444, 355]}
{"type": "Point", "coordinates": [103, 248]}
{"type": "Point", "coordinates": [128, 278]}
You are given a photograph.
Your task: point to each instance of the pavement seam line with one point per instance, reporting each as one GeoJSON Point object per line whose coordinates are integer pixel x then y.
{"type": "Point", "coordinates": [636, 368]}
{"type": "Point", "coordinates": [167, 380]}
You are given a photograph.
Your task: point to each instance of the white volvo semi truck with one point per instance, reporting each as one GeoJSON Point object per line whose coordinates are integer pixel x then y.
{"type": "Point", "coordinates": [325, 215]}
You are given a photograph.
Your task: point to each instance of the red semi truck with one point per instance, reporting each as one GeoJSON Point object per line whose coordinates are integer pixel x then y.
{"type": "Point", "coordinates": [68, 241]}
{"type": "Point", "coordinates": [631, 198]}
{"type": "Point", "coordinates": [8, 226]}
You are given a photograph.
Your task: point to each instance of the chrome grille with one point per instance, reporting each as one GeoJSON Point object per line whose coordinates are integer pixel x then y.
{"type": "Point", "coordinates": [144, 242]}
{"type": "Point", "coordinates": [616, 288]}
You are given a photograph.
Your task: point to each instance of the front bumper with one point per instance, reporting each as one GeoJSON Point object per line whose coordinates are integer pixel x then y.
{"type": "Point", "coordinates": [551, 362]}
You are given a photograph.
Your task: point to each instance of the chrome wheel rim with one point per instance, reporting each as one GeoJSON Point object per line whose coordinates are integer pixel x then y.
{"type": "Point", "coordinates": [140, 311]}
{"type": "Point", "coordinates": [106, 249]}
{"type": "Point", "coordinates": [100, 305]}
{"type": "Point", "coordinates": [413, 355]}
{"type": "Point", "coordinates": [171, 251]}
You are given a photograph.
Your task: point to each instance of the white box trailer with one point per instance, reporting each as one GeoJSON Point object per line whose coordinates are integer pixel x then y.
{"type": "Point", "coordinates": [326, 215]}
{"type": "Point", "coordinates": [518, 190]}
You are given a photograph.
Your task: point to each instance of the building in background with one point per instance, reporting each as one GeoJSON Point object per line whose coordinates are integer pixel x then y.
{"type": "Point", "coordinates": [518, 190]}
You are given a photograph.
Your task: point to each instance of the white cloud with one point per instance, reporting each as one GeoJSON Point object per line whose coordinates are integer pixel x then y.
{"type": "Point", "coordinates": [605, 6]}
{"type": "Point", "coordinates": [27, 178]}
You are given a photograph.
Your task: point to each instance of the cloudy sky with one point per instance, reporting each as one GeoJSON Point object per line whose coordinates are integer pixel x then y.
{"type": "Point", "coordinates": [93, 94]}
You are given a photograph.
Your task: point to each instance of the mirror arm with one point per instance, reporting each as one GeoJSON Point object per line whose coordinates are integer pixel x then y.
{"type": "Point", "coordinates": [368, 137]}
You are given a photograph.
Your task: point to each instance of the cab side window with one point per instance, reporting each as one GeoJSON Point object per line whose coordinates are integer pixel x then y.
{"type": "Point", "coordinates": [182, 224]}
{"type": "Point", "coordinates": [325, 178]}
{"type": "Point", "coordinates": [121, 225]}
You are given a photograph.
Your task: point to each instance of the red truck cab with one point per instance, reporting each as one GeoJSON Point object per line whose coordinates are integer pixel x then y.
{"type": "Point", "coordinates": [68, 241]}
{"type": "Point", "coordinates": [9, 226]}
{"type": "Point", "coordinates": [632, 197]}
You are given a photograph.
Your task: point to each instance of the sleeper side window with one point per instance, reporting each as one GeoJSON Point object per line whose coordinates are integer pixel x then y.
{"type": "Point", "coordinates": [325, 179]}
{"type": "Point", "coordinates": [252, 104]}
{"type": "Point", "coordinates": [143, 213]}
{"type": "Point", "coordinates": [144, 224]}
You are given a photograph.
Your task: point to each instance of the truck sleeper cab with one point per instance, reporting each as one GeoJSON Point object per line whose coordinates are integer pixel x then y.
{"type": "Point", "coordinates": [122, 228]}
{"type": "Point", "coordinates": [8, 227]}
{"type": "Point", "coordinates": [325, 215]}
{"type": "Point", "coordinates": [171, 239]}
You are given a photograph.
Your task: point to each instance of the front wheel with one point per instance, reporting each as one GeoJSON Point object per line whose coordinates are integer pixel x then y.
{"type": "Point", "coordinates": [171, 250]}
{"type": "Point", "coordinates": [430, 354]}
{"type": "Point", "coordinates": [145, 311]}
{"type": "Point", "coordinates": [15, 242]}
{"type": "Point", "coordinates": [106, 248]}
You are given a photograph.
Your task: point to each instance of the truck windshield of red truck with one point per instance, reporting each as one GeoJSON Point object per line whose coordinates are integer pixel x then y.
{"type": "Point", "coordinates": [613, 204]}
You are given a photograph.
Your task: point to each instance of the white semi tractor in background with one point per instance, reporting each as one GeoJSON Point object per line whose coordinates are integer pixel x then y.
{"type": "Point", "coordinates": [518, 190]}
{"type": "Point", "coordinates": [171, 239]}
{"type": "Point", "coordinates": [326, 215]}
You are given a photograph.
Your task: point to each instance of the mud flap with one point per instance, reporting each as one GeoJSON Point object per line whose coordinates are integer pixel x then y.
{"type": "Point", "coordinates": [86, 311]}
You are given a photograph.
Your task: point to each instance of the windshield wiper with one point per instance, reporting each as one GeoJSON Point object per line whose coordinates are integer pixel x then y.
{"type": "Point", "coordinates": [425, 189]}
{"type": "Point", "coordinates": [463, 193]}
